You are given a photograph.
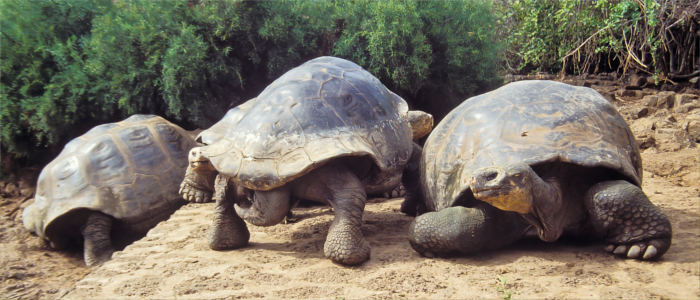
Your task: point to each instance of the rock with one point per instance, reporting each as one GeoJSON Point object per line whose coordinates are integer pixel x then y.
{"type": "Point", "coordinates": [684, 103]}
{"type": "Point", "coordinates": [629, 93]}
{"type": "Point", "coordinates": [10, 190]}
{"type": "Point", "coordinates": [692, 127]}
{"type": "Point", "coordinates": [642, 112]}
{"type": "Point", "coordinates": [666, 99]}
{"type": "Point", "coordinates": [643, 130]}
{"type": "Point", "coordinates": [646, 142]}
{"type": "Point", "coordinates": [651, 101]}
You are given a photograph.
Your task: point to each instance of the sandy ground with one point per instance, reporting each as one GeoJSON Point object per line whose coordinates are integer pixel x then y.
{"type": "Point", "coordinates": [286, 260]}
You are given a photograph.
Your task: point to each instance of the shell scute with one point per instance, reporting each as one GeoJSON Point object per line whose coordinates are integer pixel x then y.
{"type": "Point", "coordinates": [105, 163]}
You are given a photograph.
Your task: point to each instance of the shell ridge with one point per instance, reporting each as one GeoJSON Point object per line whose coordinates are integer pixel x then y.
{"type": "Point", "coordinates": [158, 139]}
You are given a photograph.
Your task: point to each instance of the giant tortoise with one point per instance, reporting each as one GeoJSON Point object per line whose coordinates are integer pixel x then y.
{"type": "Point", "coordinates": [112, 183]}
{"type": "Point", "coordinates": [326, 131]}
{"type": "Point", "coordinates": [537, 158]}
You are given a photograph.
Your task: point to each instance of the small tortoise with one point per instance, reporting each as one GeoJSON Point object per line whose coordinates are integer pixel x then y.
{"type": "Point", "coordinates": [326, 131]}
{"type": "Point", "coordinates": [119, 177]}
{"type": "Point", "coordinates": [535, 156]}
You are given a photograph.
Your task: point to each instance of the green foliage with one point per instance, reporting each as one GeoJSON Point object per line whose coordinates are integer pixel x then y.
{"type": "Point", "coordinates": [502, 288]}
{"type": "Point", "coordinates": [388, 39]}
{"type": "Point", "coordinates": [70, 64]}
{"type": "Point", "coordinates": [593, 36]}
{"type": "Point", "coordinates": [464, 51]}
{"type": "Point", "coordinates": [43, 87]}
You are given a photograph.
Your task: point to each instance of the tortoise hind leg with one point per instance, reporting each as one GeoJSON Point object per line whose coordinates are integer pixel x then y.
{"type": "Point", "coordinates": [96, 238]}
{"type": "Point", "coordinates": [345, 243]}
{"type": "Point", "coordinates": [623, 215]}
{"type": "Point", "coordinates": [465, 230]}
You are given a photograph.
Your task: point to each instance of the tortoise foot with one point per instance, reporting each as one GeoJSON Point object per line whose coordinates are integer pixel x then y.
{"type": "Point", "coordinates": [191, 192]}
{"type": "Point", "coordinates": [346, 245]}
{"type": "Point", "coordinates": [646, 250]}
{"type": "Point", "coordinates": [463, 230]}
{"type": "Point", "coordinates": [628, 221]}
{"type": "Point", "coordinates": [228, 233]}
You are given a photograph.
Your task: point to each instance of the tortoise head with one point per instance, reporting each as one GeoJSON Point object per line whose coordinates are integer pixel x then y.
{"type": "Point", "coordinates": [421, 123]}
{"type": "Point", "coordinates": [506, 188]}
{"type": "Point", "coordinates": [518, 188]}
{"type": "Point", "coordinates": [198, 162]}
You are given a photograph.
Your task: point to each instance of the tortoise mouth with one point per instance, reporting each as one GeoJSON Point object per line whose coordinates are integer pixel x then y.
{"type": "Point", "coordinates": [202, 165]}
{"type": "Point", "coordinates": [489, 191]}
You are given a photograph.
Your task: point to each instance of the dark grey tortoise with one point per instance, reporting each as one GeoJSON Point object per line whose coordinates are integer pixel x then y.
{"type": "Point", "coordinates": [535, 158]}
{"type": "Point", "coordinates": [326, 131]}
{"type": "Point", "coordinates": [114, 182]}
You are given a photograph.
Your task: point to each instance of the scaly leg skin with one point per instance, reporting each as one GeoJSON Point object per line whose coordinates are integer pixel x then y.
{"type": "Point", "coordinates": [228, 231]}
{"type": "Point", "coordinates": [412, 204]}
{"type": "Point", "coordinates": [96, 239]}
{"type": "Point", "coordinates": [345, 243]}
{"type": "Point", "coordinates": [465, 230]}
{"type": "Point", "coordinates": [622, 214]}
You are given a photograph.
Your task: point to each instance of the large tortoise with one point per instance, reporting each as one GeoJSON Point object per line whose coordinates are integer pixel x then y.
{"type": "Point", "coordinates": [535, 157]}
{"type": "Point", "coordinates": [112, 183]}
{"type": "Point", "coordinates": [326, 131]}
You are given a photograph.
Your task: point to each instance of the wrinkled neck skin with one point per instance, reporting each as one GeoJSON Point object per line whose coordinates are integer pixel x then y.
{"type": "Point", "coordinates": [548, 213]}
{"type": "Point", "coordinates": [264, 208]}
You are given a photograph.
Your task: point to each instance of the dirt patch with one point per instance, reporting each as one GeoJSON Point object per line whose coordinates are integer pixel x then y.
{"type": "Point", "coordinates": [286, 260]}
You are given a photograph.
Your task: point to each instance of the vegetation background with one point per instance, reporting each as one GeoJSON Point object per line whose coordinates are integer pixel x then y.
{"type": "Point", "coordinates": [68, 65]}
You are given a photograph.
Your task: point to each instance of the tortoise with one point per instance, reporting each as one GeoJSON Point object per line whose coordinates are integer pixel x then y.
{"type": "Point", "coordinates": [326, 131]}
{"type": "Point", "coordinates": [535, 158]}
{"type": "Point", "coordinates": [109, 185]}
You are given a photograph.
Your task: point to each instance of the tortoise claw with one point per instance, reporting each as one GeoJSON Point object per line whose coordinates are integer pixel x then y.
{"type": "Point", "coordinates": [620, 250]}
{"type": "Point", "coordinates": [650, 253]}
{"type": "Point", "coordinates": [634, 252]}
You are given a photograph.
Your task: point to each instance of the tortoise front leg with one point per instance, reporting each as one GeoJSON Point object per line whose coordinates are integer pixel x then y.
{"type": "Point", "coordinates": [228, 231]}
{"type": "Point", "coordinates": [465, 230]}
{"type": "Point", "coordinates": [96, 238]}
{"type": "Point", "coordinates": [198, 184]}
{"type": "Point", "coordinates": [623, 215]}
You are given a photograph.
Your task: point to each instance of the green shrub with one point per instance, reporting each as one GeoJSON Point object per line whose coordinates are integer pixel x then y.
{"type": "Point", "coordinates": [43, 87]}
{"type": "Point", "coordinates": [68, 65]}
{"type": "Point", "coordinates": [649, 36]}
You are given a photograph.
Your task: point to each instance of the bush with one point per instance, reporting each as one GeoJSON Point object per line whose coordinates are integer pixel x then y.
{"type": "Point", "coordinates": [433, 53]}
{"type": "Point", "coordinates": [44, 90]}
{"type": "Point", "coordinates": [654, 37]}
{"type": "Point", "coordinates": [68, 65]}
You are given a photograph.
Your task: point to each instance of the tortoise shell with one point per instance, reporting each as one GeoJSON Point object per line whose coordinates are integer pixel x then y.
{"type": "Point", "coordinates": [534, 122]}
{"type": "Point", "coordinates": [324, 109]}
{"type": "Point", "coordinates": [129, 170]}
